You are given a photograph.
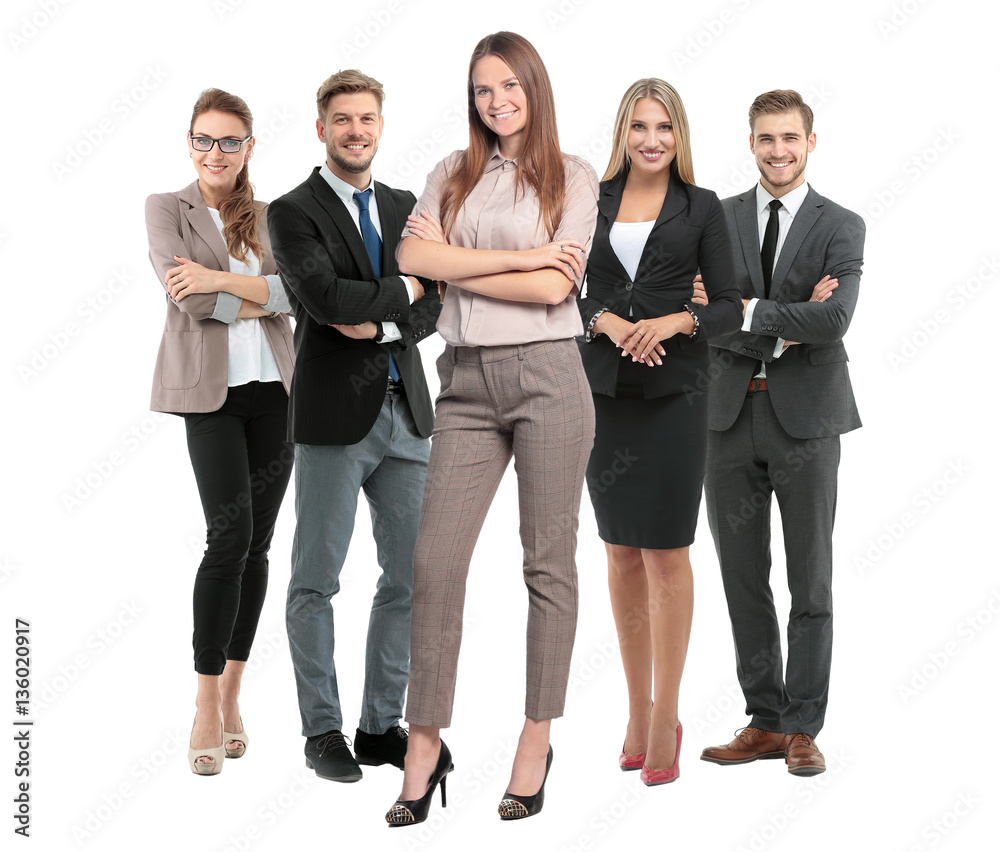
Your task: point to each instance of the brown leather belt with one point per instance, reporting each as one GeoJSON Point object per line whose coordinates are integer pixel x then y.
{"type": "Point", "coordinates": [757, 385]}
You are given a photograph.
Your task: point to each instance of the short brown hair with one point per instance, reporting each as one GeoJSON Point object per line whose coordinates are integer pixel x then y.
{"type": "Point", "coordinates": [778, 101]}
{"type": "Point", "coordinates": [347, 82]}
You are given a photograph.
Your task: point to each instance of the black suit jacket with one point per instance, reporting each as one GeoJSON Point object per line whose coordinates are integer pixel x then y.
{"type": "Point", "coordinates": [339, 383]}
{"type": "Point", "coordinates": [809, 385]}
{"type": "Point", "coordinates": [689, 235]}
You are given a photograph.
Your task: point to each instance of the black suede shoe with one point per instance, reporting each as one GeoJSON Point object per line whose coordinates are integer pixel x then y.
{"type": "Point", "coordinates": [329, 755]}
{"type": "Point", "coordinates": [376, 749]}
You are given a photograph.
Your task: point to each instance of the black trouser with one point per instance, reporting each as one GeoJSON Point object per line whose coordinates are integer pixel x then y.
{"type": "Point", "coordinates": [242, 465]}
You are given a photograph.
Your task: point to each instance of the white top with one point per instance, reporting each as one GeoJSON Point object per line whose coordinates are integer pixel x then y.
{"type": "Point", "coordinates": [628, 239]}
{"type": "Point", "coordinates": [250, 358]}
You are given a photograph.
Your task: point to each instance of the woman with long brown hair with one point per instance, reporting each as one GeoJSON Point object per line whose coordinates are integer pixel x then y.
{"type": "Point", "coordinates": [225, 364]}
{"type": "Point", "coordinates": [505, 224]}
{"type": "Point", "coordinates": [655, 231]}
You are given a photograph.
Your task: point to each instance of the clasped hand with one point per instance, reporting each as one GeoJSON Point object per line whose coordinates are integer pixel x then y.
{"type": "Point", "coordinates": [191, 277]}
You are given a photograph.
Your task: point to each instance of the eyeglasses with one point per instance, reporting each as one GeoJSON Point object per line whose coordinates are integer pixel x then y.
{"type": "Point", "coordinates": [227, 146]}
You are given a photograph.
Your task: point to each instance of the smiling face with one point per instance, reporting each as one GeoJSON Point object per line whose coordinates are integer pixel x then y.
{"type": "Point", "coordinates": [217, 172]}
{"type": "Point", "coordinates": [351, 131]}
{"type": "Point", "coordinates": [781, 147]}
{"type": "Point", "coordinates": [501, 102]}
{"type": "Point", "coordinates": [650, 140]}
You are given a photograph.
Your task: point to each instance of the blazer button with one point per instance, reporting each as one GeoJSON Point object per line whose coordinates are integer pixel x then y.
{"type": "Point", "coordinates": [629, 286]}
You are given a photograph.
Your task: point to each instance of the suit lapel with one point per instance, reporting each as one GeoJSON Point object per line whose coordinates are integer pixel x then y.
{"type": "Point", "coordinates": [341, 219]}
{"type": "Point", "coordinates": [802, 224]}
{"type": "Point", "coordinates": [391, 218]}
{"type": "Point", "coordinates": [203, 224]}
{"type": "Point", "coordinates": [607, 206]}
{"type": "Point", "coordinates": [746, 228]}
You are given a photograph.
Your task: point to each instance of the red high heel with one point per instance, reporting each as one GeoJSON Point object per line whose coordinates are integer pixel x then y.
{"type": "Point", "coordinates": [653, 777]}
{"type": "Point", "coordinates": [630, 762]}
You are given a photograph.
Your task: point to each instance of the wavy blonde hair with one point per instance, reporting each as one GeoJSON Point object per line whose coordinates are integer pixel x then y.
{"type": "Point", "coordinates": [659, 90]}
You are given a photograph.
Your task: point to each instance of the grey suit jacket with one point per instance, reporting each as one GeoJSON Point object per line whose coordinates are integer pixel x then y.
{"type": "Point", "coordinates": [192, 366]}
{"type": "Point", "coordinates": [809, 385]}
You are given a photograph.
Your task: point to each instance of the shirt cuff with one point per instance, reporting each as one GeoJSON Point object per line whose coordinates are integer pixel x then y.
{"type": "Point", "coordinates": [409, 288]}
{"type": "Point", "coordinates": [277, 298]}
{"type": "Point", "coordinates": [390, 332]}
{"type": "Point", "coordinates": [227, 307]}
{"type": "Point", "coordinates": [748, 314]}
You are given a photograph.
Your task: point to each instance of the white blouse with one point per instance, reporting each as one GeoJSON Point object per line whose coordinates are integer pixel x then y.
{"type": "Point", "coordinates": [250, 357]}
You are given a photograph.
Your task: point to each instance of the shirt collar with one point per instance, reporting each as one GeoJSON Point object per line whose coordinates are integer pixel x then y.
{"type": "Point", "coordinates": [345, 192]}
{"type": "Point", "coordinates": [495, 159]}
{"type": "Point", "coordinates": [791, 201]}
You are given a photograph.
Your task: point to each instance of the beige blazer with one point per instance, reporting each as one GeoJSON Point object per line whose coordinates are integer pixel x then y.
{"type": "Point", "coordinates": [192, 367]}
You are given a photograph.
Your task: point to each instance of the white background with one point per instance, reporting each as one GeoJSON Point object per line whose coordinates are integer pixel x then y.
{"type": "Point", "coordinates": [97, 98]}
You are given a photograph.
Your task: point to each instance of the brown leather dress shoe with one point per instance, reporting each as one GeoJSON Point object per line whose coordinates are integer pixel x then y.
{"type": "Point", "coordinates": [802, 756]}
{"type": "Point", "coordinates": [750, 744]}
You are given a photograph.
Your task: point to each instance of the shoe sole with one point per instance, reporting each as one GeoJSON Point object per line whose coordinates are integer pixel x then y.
{"type": "Point", "coordinates": [807, 771]}
{"type": "Point", "coordinates": [770, 755]}
{"type": "Point", "coordinates": [344, 779]}
{"type": "Point", "coordinates": [373, 761]}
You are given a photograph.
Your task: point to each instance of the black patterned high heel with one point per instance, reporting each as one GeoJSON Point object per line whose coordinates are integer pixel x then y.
{"type": "Point", "coordinates": [410, 812]}
{"type": "Point", "coordinates": [519, 807]}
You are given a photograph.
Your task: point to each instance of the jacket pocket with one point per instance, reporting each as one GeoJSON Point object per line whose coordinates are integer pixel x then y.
{"type": "Point", "coordinates": [181, 363]}
{"type": "Point", "coordinates": [828, 354]}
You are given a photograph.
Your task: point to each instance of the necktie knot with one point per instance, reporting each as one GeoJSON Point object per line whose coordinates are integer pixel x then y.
{"type": "Point", "coordinates": [774, 205]}
{"type": "Point", "coordinates": [362, 199]}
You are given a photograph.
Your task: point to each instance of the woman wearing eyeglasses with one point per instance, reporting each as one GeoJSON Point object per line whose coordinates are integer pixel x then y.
{"type": "Point", "coordinates": [225, 364]}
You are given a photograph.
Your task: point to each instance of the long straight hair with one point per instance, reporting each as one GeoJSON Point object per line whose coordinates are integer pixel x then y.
{"type": "Point", "coordinates": [540, 163]}
{"type": "Point", "coordinates": [659, 90]}
{"type": "Point", "coordinates": [240, 217]}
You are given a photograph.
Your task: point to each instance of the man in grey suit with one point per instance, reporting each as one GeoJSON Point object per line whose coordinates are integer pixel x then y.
{"type": "Point", "coordinates": [779, 401]}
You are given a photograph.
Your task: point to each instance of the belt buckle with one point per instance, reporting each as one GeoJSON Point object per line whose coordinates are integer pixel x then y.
{"type": "Point", "coordinates": [393, 387]}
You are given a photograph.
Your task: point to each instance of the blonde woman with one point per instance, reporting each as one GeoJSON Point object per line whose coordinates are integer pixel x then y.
{"type": "Point", "coordinates": [646, 356]}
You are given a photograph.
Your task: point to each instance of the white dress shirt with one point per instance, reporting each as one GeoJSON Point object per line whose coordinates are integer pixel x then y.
{"type": "Point", "coordinates": [250, 356]}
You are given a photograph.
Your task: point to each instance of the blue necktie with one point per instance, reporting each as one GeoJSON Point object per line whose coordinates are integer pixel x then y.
{"type": "Point", "coordinates": [373, 245]}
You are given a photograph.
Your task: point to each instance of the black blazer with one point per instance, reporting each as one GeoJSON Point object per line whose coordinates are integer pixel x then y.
{"type": "Point", "coordinates": [690, 235]}
{"type": "Point", "coordinates": [809, 385]}
{"type": "Point", "coordinates": [339, 384]}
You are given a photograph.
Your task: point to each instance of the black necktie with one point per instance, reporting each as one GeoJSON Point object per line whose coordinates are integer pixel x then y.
{"type": "Point", "coordinates": [769, 246]}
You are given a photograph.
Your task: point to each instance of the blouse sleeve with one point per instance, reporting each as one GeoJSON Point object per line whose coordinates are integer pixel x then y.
{"type": "Point", "coordinates": [579, 216]}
